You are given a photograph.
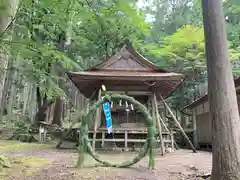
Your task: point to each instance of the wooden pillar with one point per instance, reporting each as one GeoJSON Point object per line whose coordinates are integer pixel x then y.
{"type": "Point", "coordinates": [126, 139]}
{"type": "Point", "coordinates": [44, 134]}
{"type": "Point", "coordinates": [172, 140]}
{"type": "Point", "coordinates": [194, 120]}
{"type": "Point", "coordinates": [153, 112]}
{"type": "Point", "coordinates": [179, 125]}
{"type": "Point", "coordinates": [157, 121]}
{"type": "Point", "coordinates": [97, 119]}
{"type": "Point", "coordinates": [166, 128]}
{"type": "Point", "coordinates": [40, 133]}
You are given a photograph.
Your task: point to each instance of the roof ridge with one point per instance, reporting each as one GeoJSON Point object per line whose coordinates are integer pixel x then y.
{"type": "Point", "coordinates": [139, 58]}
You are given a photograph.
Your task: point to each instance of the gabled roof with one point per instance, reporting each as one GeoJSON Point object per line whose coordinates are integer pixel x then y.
{"type": "Point", "coordinates": [126, 71]}
{"type": "Point", "coordinates": [127, 54]}
{"type": "Point", "coordinates": [204, 98]}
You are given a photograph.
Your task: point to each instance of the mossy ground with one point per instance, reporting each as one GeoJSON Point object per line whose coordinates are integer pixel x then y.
{"type": "Point", "coordinates": [21, 164]}
{"type": "Point", "coordinates": [25, 166]}
{"type": "Point", "coordinates": [17, 145]}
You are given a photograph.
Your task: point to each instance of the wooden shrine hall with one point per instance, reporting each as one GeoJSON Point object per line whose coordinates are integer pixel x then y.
{"type": "Point", "coordinates": [126, 72]}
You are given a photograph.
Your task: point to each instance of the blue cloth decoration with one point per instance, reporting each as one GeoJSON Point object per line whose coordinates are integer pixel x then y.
{"type": "Point", "coordinates": [107, 112]}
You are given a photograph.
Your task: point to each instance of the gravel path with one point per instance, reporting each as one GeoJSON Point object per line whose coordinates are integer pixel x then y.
{"type": "Point", "coordinates": [180, 165]}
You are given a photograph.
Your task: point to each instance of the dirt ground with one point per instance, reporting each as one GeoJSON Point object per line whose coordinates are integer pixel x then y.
{"type": "Point", "coordinates": [44, 162]}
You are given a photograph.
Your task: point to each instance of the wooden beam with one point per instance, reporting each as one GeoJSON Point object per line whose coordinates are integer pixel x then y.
{"type": "Point", "coordinates": [123, 76]}
{"type": "Point", "coordinates": [129, 140]}
{"type": "Point", "coordinates": [141, 93]}
{"type": "Point", "coordinates": [120, 88]}
{"type": "Point", "coordinates": [179, 125]}
{"type": "Point", "coordinates": [158, 124]}
{"type": "Point", "coordinates": [121, 83]}
{"type": "Point", "coordinates": [116, 131]}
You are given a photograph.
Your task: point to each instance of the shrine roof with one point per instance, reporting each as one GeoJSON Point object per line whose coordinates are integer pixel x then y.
{"type": "Point", "coordinates": [127, 70]}
{"type": "Point", "coordinates": [127, 59]}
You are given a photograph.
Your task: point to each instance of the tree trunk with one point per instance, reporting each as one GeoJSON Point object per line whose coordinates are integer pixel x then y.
{"type": "Point", "coordinates": [59, 71]}
{"type": "Point", "coordinates": [43, 104]}
{"type": "Point", "coordinates": [41, 114]}
{"type": "Point", "coordinates": [32, 110]}
{"type": "Point", "coordinates": [6, 87]}
{"type": "Point", "coordinates": [222, 95]}
{"type": "Point", "coordinates": [8, 13]}
{"type": "Point", "coordinates": [13, 91]}
{"type": "Point", "coordinates": [27, 93]}
{"type": "Point", "coordinates": [58, 112]}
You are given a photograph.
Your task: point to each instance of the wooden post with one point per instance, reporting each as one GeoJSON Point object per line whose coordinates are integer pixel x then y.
{"type": "Point", "coordinates": [40, 133]}
{"type": "Point", "coordinates": [44, 134]}
{"type": "Point", "coordinates": [158, 124]}
{"type": "Point", "coordinates": [126, 139]}
{"type": "Point", "coordinates": [97, 118]}
{"type": "Point", "coordinates": [172, 140]}
{"type": "Point", "coordinates": [195, 136]}
{"type": "Point", "coordinates": [103, 139]}
{"type": "Point", "coordinates": [153, 112]}
{"type": "Point", "coordinates": [179, 125]}
{"type": "Point", "coordinates": [164, 125]}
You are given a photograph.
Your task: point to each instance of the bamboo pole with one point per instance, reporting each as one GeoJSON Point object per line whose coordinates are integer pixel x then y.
{"type": "Point", "coordinates": [97, 117]}
{"type": "Point", "coordinates": [158, 124]}
{"type": "Point", "coordinates": [179, 125]}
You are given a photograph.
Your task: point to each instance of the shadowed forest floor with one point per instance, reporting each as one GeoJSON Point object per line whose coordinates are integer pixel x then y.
{"type": "Point", "coordinates": [44, 162]}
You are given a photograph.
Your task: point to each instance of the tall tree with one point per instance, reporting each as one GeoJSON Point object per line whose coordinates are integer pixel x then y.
{"type": "Point", "coordinates": [8, 9]}
{"type": "Point", "coordinates": [222, 96]}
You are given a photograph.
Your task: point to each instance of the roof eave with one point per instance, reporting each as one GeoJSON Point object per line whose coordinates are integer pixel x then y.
{"type": "Point", "coordinates": [205, 97]}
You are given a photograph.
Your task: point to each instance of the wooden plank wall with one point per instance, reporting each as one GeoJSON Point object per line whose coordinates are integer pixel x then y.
{"type": "Point", "coordinates": [204, 123]}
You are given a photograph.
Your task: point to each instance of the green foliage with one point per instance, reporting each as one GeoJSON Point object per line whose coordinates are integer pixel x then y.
{"type": "Point", "coordinates": [184, 51]}
{"type": "Point", "coordinates": [187, 53]}
{"type": "Point", "coordinates": [105, 26]}
{"type": "Point", "coordinates": [72, 34]}
{"type": "Point", "coordinates": [22, 126]}
{"type": "Point", "coordinates": [55, 36]}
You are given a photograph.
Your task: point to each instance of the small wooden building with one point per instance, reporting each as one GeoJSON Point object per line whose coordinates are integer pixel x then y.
{"type": "Point", "coordinates": [126, 72]}
{"type": "Point", "coordinates": [202, 124]}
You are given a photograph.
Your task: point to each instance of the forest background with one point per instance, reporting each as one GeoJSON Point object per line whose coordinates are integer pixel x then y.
{"type": "Point", "coordinates": [47, 38]}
